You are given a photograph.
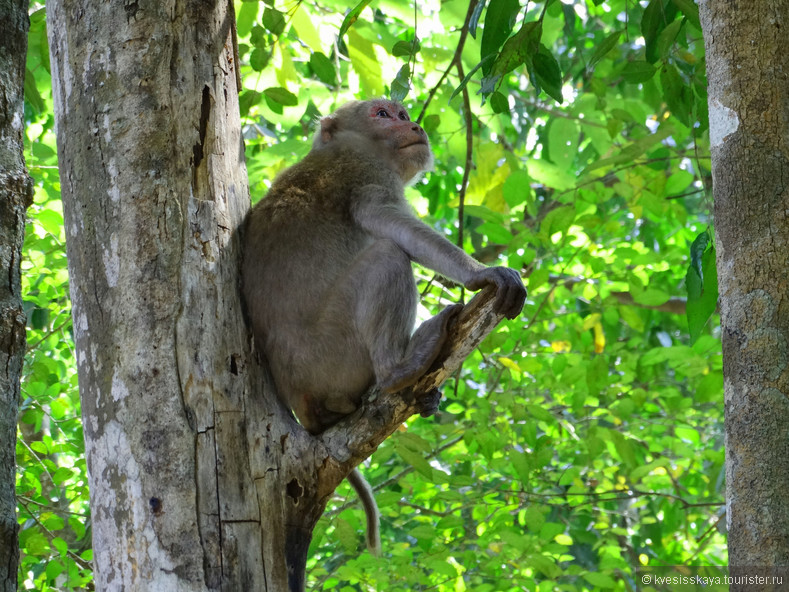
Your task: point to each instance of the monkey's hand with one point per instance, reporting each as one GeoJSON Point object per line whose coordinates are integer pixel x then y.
{"type": "Point", "coordinates": [510, 292]}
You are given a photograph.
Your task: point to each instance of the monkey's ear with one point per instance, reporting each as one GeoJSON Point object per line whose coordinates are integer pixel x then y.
{"type": "Point", "coordinates": [329, 126]}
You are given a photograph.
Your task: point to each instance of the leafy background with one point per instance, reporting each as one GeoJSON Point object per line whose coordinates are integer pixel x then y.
{"type": "Point", "coordinates": [582, 439]}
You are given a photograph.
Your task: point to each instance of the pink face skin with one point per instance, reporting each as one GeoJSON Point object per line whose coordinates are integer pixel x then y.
{"type": "Point", "coordinates": [392, 122]}
{"type": "Point", "coordinates": [393, 118]}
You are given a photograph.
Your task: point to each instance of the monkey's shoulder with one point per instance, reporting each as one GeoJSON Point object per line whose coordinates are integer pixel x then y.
{"type": "Point", "coordinates": [326, 181]}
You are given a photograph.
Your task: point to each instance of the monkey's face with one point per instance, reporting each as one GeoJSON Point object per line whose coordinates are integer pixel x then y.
{"type": "Point", "coordinates": [379, 127]}
{"type": "Point", "coordinates": [389, 123]}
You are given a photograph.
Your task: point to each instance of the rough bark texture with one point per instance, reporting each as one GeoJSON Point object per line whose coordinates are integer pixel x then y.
{"type": "Point", "coordinates": [154, 190]}
{"type": "Point", "coordinates": [15, 195]}
{"type": "Point", "coordinates": [748, 72]}
{"type": "Point", "coordinates": [199, 479]}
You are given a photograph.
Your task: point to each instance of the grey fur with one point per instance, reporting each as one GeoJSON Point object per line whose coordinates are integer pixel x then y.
{"type": "Point", "coordinates": [327, 269]}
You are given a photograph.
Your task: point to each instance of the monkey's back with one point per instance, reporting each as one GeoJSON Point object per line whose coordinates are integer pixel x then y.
{"type": "Point", "coordinates": [301, 237]}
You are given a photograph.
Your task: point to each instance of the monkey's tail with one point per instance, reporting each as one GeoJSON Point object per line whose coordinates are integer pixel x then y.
{"type": "Point", "coordinates": [365, 493]}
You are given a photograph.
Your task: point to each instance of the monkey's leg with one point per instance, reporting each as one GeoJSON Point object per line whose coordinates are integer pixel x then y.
{"type": "Point", "coordinates": [360, 334]}
{"type": "Point", "coordinates": [423, 348]}
{"type": "Point", "coordinates": [380, 284]}
{"type": "Point", "coordinates": [363, 334]}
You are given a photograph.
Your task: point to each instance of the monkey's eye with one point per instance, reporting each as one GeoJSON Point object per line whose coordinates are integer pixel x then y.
{"type": "Point", "coordinates": [403, 115]}
{"type": "Point", "coordinates": [382, 113]}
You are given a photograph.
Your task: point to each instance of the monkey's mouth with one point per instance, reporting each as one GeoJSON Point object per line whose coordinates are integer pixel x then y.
{"type": "Point", "coordinates": [416, 143]}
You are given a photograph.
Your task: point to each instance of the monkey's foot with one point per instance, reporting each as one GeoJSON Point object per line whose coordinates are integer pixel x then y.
{"type": "Point", "coordinates": [422, 350]}
{"type": "Point", "coordinates": [427, 403]}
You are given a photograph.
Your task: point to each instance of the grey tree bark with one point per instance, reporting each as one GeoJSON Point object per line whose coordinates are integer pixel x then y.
{"type": "Point", "coordinates": [199, 479]}
{"type": "Point", "coordinates": [154, 191]}
{"type": "Point", "coordinates": [16, 193]}
{"type": "Point", "coordinates": [748, 72]}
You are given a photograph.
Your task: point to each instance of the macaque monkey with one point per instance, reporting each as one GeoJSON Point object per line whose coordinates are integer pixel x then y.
{"type": "Point", "coordinates": [327, 271]}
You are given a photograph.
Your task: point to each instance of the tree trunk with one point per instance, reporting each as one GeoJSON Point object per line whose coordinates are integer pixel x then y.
{"type": "Point", "coordinates": [16, 192]}
{"type": "Point", "coordinates": [154, 192]}
{"type": "Point", "coordinates": [748, 72]}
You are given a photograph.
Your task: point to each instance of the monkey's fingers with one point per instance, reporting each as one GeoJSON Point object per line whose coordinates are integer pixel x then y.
{"type": "Point", "coordinates": [510, 291]}
{"type": "Point", "coordinates": [510, 299]}
{"type": "Point", "coordinates": [428, 403]}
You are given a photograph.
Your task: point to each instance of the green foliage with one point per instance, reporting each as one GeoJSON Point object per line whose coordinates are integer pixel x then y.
{"type": "Point", "coordinates": [52, 485]}
{"type": "Point", "coordinates": [583, 438]}
{"type": "Point", "coordinates": [702, 283]}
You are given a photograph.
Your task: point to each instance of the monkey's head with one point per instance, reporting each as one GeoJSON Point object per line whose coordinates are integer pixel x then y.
{"type": "Point", "coordinates": [382, 127]}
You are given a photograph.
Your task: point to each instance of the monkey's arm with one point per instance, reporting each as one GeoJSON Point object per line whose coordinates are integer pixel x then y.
{"type": "Point", "coordinates": [384, 216]}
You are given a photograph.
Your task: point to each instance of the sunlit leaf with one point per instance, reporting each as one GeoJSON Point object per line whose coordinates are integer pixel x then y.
{"type": "Point", "coordinates": [351, 17]}
{"type": "Point", "coordinates": [282, 96]}
{"type": "Point", "coordinates": [499, 20]}
{"type": "Point", "coordinates": [323, 68]}
{"type": "Point", "coordinates": [401, 84]}
{"type": "Point", "coordinates": [274, 21]}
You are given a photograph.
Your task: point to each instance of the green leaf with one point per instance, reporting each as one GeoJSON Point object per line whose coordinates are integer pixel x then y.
{"type": "Point", "coordinates": [690, 10]}
{"type": "Point", "coordinates": [600, 580]}
{"type": "Point", "coordinates": [517, 188]}
{"type": "Point", "coordinates": [657, 15]}
{"type": "Point", "coordinates": [403, 49]}
{"type": "Point", "coordinates": [323, 68]}
{"type": "Point", "coordinates": [32, 95]}
{"type": "Point", "coordinates": [650, 297]}
{"type": "Point", "coordinates": [474, 20]}
{"type": "Point", "coordinates": [550, 175]}
{"type": "Point", "coordinates": [351, 17]}
{"type": "Point", "coordinates": [495, 233]}
{"type": "Point", "coordinates": [247, 15]}
{"type": "Point", "coordinates": [259, 58]}
{"type": "Point", "coordinates": [557, 220]}
{"type": "Point", "coordinates": [548, 73]}
{"type": "Point", "coordinates": [54, 569]}
{"type": "Point", "coordinates": [499, 21]}
{"type": "Point", "coordinates": [697, 249]}
{"type": "Point", "coordinates": [247, 100]}
{"type": "Point", "coordinates": [50, 220]}
{"type": "Point", "coordinates": [59, 544]}
{"type": "Point", "coordinates": [274, 21]}
{"type": "Point", "coordinates": [401, 84]}
{"type": "Point", "coordinates": [52, 522]}
{"type": "Point", "coordinates": [518, 50]}
{"type": "Point", "coordinates": [563, 136]}
{"type": "Point", "coordinates": [666, 39]}
{"type": "Point", "coordinates": [638, 71]}
{"type": "Point", "coordinates": [365, 63]}
{"type": "Point", "coordinates": [677, 93]}
{"type": "Point", "coordinates": [431, 123]}
{"type": "Point", "coordinates": [468, 76]}
{"type": "Point", "coordinates": [417, 461]}
{"type": "Point", "coordinates": [702, 287]}
{"type": "Point", "coordinates": [597, 375]}
{"type": "Point", "coordinates": [603, 48]}
{"type": "Point", "coordinates": [499, 103]}
{"type": "Point", "coordinates": [282, 96]}
{"type": "Point", "coordinates": [346, 534]}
